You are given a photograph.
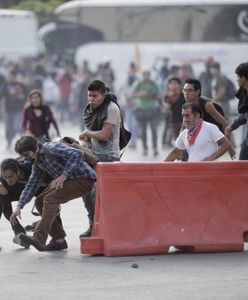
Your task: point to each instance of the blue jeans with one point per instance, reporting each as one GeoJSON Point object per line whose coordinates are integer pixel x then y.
{"type": "Point", "coordinates": [12, 125]}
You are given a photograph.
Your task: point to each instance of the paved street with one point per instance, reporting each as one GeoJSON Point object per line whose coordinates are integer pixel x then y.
{"type": "Point", "coordinates": [28, 274]}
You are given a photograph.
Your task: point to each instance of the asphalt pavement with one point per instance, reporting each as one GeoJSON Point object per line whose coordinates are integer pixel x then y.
{"type": "Point", "coordinates": [29, 274]}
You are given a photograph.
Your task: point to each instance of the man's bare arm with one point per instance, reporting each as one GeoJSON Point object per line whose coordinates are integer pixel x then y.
{"type": "Point", "coordinates": [175, 153]}
{"type": "Point", "coordinates": [101, 135]}
{"type": "Point", "coordinates": [223, 146]}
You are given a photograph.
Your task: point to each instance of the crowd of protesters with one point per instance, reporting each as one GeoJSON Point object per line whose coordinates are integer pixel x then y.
{"type": "Point", "coordinates": [37, 93]}
{"type": "Point", "coordinates": [156, 97]}
{"type": "Point", "coordinates": [63, 87]}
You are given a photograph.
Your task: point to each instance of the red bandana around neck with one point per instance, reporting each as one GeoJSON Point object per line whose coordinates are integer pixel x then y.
{"type": "Point", "coordinates": [192, 134]}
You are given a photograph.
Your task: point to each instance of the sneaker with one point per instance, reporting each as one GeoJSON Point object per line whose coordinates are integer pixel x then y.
{"type": "Point", "coordinates": [55, 245]}
{"type": "Point", "coordinates": [86, 233]}
{"type": "Point", "coordinates": [17, 240]}
{"type": "Point", "coordinates": [30, 240]}
{"type": "Point", "coordinates": [31, 227]}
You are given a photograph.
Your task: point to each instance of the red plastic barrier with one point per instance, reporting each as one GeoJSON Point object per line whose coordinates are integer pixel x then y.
{"type": "Point", "coordinates": [144, 208]}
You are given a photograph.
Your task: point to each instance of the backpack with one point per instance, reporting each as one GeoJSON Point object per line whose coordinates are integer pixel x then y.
{"type": "Point", "coordinates": [207, 117]}
{"type": "Point", "coordinates": [88, 154]}
{"type": "Point", "coordinates": [218, 108]}
{"type": "Point", "coordinates": [125, 135]}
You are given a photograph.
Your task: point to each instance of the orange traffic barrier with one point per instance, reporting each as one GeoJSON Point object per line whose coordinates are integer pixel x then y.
{"type": "Point", "coordinates": [144, 208]}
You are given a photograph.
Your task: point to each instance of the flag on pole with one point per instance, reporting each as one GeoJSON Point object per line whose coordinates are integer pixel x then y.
{"type": "Point", "coordinates": [138, 59]}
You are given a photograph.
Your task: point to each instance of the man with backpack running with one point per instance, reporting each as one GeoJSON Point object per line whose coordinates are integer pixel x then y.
{"type": "Point", "coordinates": [72, 177]}
{"type": "Point", "coordinates": [102, 119]}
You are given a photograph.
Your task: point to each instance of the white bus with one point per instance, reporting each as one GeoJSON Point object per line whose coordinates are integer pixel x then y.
{"type": "Point", "coordinates": [185, 31]}
{"type": "Point", "coordinates": [18, 33]}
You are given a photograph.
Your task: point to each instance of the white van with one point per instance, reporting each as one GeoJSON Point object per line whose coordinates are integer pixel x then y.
{"type": "Point", "coordinates": [18, 33]}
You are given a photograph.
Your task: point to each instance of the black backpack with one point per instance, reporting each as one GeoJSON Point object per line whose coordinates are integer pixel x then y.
{"type": "Point", "coordinates": [125, 135]}
{"type": "Point", "coordinates": [88, 154]}
{"type": "Point", "coordinates": [218, 108]}
{"type": "Point", "coordinates": [207, 117]}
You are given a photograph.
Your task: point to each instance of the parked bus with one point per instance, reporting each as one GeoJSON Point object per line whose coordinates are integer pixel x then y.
{"type": "Point", "coordinates": [185, 31]}
{"type": "Point", "coordinates": [18, 33]}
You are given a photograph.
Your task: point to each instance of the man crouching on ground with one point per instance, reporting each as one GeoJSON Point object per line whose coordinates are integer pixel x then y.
{"type": "Point", "coordinates": [72, 177]}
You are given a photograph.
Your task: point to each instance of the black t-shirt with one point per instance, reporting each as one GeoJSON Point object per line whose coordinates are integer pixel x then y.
{"type": "Point", "coordinates": [242, 96]}
{"type": "Point", "coordinates": [176, 109]}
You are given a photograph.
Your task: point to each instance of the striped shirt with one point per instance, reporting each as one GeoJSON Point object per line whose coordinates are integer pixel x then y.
{"type": "Point", "coordinates": [69, 162]}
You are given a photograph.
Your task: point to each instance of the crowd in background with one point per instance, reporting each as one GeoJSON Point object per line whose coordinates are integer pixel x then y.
{"type": "Point", "coordinates": [37, 93]}
{"type": "Point", "coordinates": [150, 90]}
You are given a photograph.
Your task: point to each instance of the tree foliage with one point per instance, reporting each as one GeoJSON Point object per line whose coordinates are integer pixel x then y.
{"type": "Point", "coordinates": [43, 9]}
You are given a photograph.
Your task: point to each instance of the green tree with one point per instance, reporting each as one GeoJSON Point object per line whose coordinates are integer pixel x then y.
{"type": "Point", "coordinates": [43, 9]}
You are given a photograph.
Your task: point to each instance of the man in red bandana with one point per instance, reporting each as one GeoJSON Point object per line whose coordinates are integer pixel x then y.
{"type": "Point", "coordinates": [202, 140]}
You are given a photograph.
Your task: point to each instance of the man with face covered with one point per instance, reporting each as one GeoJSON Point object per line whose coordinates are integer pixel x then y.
{"type": "Point", "coordinates": [102, 119]}
{"type": "Point", "coordinates": [202, 140]}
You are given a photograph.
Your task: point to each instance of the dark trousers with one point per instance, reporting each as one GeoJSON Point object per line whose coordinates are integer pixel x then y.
{"type": "Point", "coordinates": [6, 210]}
{"type": "Point", "coordinates": [89, 199]}
{"type": "Point", "coordinates": [89, 203]}
{"type": "Point", "coordinates": [48, 202]}
{"type": "Point", "coordinates": [243, 155]}
{"type": "Point", "coordinates": [153, 124]}
{"type": "Point", "coordinates": [147, 117]}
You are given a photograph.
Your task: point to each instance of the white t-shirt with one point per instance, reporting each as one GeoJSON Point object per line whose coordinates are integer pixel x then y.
{"type": "Point", "coordinates": [205, 143]}
{"type": "Point", "coordinates": [111, 146]}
